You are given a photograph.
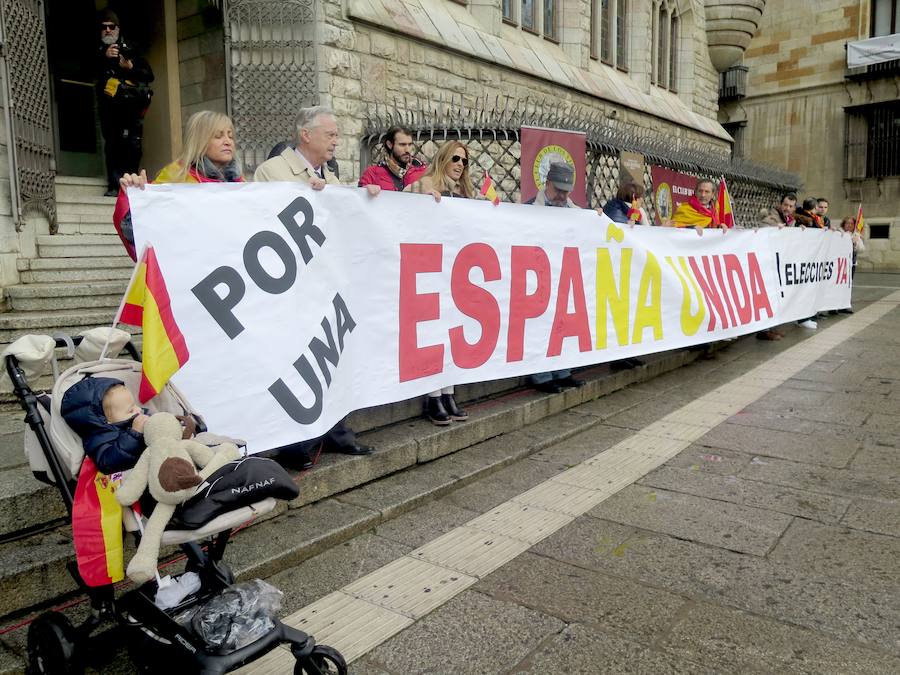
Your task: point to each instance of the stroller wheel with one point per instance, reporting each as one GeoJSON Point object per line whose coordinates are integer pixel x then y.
{"type": "Point", "coordinates": [324, 660]}
{"type": "Point", "coordinates": [52, 647]}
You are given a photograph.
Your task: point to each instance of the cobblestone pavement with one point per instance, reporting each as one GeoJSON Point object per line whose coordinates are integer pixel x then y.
{"type": "Point", "coordinates": [771, 544]}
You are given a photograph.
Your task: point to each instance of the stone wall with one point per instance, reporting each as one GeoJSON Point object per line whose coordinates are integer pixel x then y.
{"type": "Point", "coordinates": [201, 57]}
{"type": "Point", "coordinates": [794, 110]}
{"type": "Point", "coordinates": [405, 50]}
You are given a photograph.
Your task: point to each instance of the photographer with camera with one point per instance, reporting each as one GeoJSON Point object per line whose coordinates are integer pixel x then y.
{"type": "Point", "coordinates": [123, 96]}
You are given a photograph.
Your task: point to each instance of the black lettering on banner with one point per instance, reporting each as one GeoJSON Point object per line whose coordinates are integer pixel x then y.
{"type": "Point", "coordinates": [325, 352]}
{"type": "Point", "coordinates": [220, 307]}
{"type": "Point", "coordinates": [265, 281]}
{"type": "Point", "coordinates": [300, 233]}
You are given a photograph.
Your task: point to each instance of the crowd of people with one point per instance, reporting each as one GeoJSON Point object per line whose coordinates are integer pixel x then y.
{"type": "Point", "coordinates": [209, 154]}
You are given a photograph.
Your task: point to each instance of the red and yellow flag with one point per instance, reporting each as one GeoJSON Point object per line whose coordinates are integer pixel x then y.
{"type": "Point", "coordinates": [634, 212]}
{"type": "Point", "coordinates": [147, 305]}
{"type": "Point", "coordinates": [488, 190]}
{"type": "Point", "coordinates": [860, 221]}
{"type": "Point", "coordinates": [97, 527]}
{"type": "Point", "coordinates": [724, 212]}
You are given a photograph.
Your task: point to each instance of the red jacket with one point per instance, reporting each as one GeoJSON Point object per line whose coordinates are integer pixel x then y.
{"type": "Point", "coordinates": [379, 174]}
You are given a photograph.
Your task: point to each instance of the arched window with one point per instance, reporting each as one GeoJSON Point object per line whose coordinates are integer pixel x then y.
{"type": "Point", "coordinates": [609, 36]}
{"type": "Point", "coordinates": [666, 26]}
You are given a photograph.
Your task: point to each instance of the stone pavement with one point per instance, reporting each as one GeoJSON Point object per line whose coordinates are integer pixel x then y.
{"type": "Point", "coordinates": [770, 544]}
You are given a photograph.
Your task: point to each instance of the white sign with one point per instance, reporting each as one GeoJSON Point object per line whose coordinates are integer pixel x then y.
{"type": "Point", "coordinates": [299, 307]}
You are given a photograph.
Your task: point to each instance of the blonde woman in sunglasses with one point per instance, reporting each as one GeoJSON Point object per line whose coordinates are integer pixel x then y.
{"type": "Point", "coordinates": [448, 175]}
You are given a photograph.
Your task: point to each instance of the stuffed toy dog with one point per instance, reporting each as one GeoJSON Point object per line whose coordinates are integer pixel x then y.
{"type": "Point", "coordinates": [169, 468]}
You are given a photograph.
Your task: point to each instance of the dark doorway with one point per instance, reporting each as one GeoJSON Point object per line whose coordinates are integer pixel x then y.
{"type": "Point", "coordinates": [73, 43]}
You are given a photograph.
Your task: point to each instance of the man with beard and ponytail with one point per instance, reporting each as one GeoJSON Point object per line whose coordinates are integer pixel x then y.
{"type": "Point", "coordinates": [399, 168]}
{"type": "Point", "coordinates": [122, 99]}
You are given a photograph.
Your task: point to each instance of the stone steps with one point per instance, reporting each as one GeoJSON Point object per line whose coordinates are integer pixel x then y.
{"type": "Point", "coordinates": [32, 567]}
{"type": "Point", "coordinates": [48, 322]}
{"type": "Point", "coordinates": [75, 188]}
{"type": "Point", "coordinates": [67, 295]}
{"type": "Point", "coordinates": [80, 246]}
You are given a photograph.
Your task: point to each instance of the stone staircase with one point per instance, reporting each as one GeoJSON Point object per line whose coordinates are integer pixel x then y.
{"type": "Point", "coordinates": [78, 276]}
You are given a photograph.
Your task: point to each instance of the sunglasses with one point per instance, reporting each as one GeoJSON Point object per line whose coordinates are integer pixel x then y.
{"type": "Point", "coordinates": [108, 26]}
{"type": "Point", "coordinates": [457, 158]}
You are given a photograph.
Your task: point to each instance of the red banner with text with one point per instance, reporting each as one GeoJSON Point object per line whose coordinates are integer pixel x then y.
{"type": "Point", "coordinates": [540, 147]}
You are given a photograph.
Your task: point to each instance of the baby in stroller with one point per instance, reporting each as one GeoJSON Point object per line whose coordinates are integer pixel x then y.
{"type": "Point", "coordinates": [99, 405]}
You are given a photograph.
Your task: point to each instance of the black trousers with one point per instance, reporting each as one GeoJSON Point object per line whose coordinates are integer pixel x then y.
{"type": "Point", "coordinates": [122, 146]}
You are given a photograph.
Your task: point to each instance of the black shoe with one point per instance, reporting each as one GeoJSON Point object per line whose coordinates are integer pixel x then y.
{"type": "Point", "coordinates": [846, 310]}
{"type": "Point", "coordinates": [434, 411]}
{"type": "Point", "coordinates": [455, 412]}
{"type": "Point", "coordinates": [111, 193]}
{"type": "Point", "coordinates": [634, 363]}
{"type": "Point", "coordinates": [832, 312]}
{"type": "Point", "coordinates": [355, 449]}
{"type": "Point", "coordinates": [550, 387]}
{"type": "Point", "coordinates": [569, 382]}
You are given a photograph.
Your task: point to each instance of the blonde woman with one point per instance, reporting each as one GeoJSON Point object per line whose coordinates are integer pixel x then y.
{"type": "Point", "coordinates": [448, 176]}
{"type": "Point", "coordinates": [208, 155]}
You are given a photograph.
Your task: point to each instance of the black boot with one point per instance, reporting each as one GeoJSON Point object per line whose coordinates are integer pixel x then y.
{"type": "Point", "coordinates": [434, 410]}
{"type": "Point", "coordinates": [455, 412]}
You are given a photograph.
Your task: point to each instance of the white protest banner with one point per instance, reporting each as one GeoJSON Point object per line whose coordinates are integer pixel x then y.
{"type": "Point", "coordinates": [299, 307]}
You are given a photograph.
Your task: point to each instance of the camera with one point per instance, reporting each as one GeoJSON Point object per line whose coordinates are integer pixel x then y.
{"type": "Point", "coordinates": [126, 51]}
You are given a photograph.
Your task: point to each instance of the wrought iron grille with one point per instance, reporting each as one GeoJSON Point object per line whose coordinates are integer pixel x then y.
{"type": "Point", "coordinates": [872, 141]}
{"type": "Point", "coordinates": [491, 131]}
{"type": "Point", "coordinates": [28, 109]}
{"type": "Point", "coordinates": [270, 53]}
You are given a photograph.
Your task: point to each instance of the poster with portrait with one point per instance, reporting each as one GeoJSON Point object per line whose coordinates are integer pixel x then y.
{"type": "Point", "coordinates": [670, 189]}
{"type": "Point", "coordinates": [542, 146]}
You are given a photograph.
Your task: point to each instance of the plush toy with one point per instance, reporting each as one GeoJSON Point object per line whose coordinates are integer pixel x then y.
{"type": "Point", "coordinates": [168, 467]}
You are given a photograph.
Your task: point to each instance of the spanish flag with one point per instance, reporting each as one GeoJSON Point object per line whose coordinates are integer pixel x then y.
{"type": "Point", "coordinates": [488, 190]}
{"type": "Point", "coordinates": [147, 305]}
{"type": "Point", "coordinates": [724, 213]}
{"type": "Point", "coordinates": [860, 221]}
{"type": "Point", "coordinates": [97, 527]}
{"type": "Point", "coordinates": [634, 212]}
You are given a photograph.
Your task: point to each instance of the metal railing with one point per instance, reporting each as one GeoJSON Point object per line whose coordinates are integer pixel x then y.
{"type": "Point", "coordinates": [490, 129]}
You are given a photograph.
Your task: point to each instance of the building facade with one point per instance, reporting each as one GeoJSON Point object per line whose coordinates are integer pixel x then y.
{"type": "Point", "coordinates": [637, 75]}
{"type": "Point", "coordinates": [803, 109]}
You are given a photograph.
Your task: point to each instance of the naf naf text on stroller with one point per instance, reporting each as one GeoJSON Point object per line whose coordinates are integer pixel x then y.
{"type": "Point", "coordinates": [157, 642]}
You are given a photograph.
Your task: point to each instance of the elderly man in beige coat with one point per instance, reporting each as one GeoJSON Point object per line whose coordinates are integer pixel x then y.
{"type": "Point", "coordinates": [317, 138]}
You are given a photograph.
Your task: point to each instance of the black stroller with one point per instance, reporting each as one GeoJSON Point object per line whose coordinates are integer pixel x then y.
{"type": "Point", "coordinates": [156, 641]}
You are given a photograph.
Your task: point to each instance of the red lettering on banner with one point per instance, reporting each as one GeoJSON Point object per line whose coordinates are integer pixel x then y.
{"type": "Point", "coordinates": [758, 293]}
{"type": "Point", "coordinates": [741, 300]}
{"type": "Point", "coordinates": [717, 263]}
{"type": "Point", "coordinates": [710, 293]}
{"type": "Point", "coordinates": [566, 324]}
{"type": "Point", "coordinates": [476, 302]}
{"type": "Point", "coordinates": [415, 361]}
{"type": "Point", "coordinates": [522, 306]}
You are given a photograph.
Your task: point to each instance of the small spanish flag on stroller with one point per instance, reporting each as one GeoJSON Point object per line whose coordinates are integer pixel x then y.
{"type": "Point", "coordinates": [146, 304]}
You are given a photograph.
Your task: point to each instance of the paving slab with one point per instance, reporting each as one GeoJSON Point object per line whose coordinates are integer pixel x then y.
{"type": "Point", "coordinates": [823, 479]}
{"type": "Point", "coordinates": [883, 422]}
{"type": "Point", "coordinates": [503, 485]}
{"type": "Point", "coordinates": [583, 446]}
{"type": "Point", "coordinates": [792, 421]}
{"type": "Point", "coordinates": [719, 523]}
{"type": "Point", "coordinates": [732, 641]}
{"type": "Point", "coordinates": [882, 517]}
{"type": "Point", "coordinates": [846, 608]}
{"type": "Point", "coordinates": [575, 595]}
{"type": "Point", "coordinates": [840, 552]}
{"type": "Point", "coordinates": [452, 640]}
{"type": "Point", "coordinates": [429, 521]}
{"type": "Point", "coordinates": [730, 488]}
{"type": "Point", "coordinates": [329, 571]}
{"type": "Point", "coordinates": [704, 460]}
{"type": "Point", "coordinates": [811, 448]}
{"type": "Point", "coordinates": [296, 535]}
{"type": "Point", "coordinates": [833, 413]}
{"type": "Point", "coordinates": [584, 649]}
